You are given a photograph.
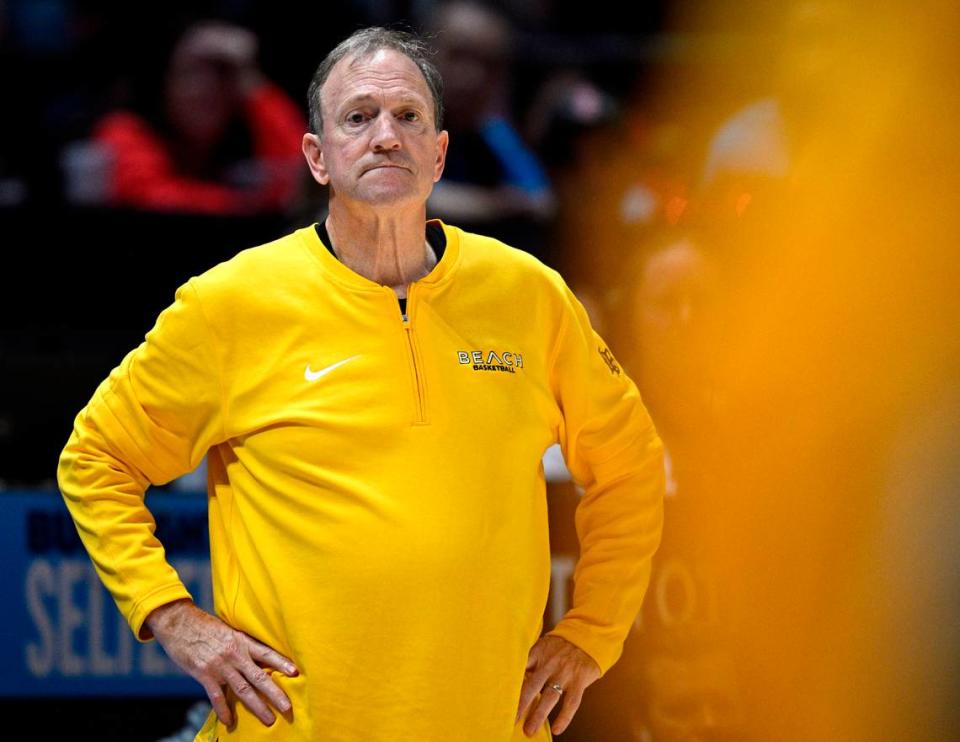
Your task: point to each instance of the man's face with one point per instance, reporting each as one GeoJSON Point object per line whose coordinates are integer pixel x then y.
{"type": "Point", "coordinates": [379, 145]}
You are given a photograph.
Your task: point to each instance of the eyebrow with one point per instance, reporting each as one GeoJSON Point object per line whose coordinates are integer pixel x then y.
{"type": "Point", "coordinates": [364, 97]}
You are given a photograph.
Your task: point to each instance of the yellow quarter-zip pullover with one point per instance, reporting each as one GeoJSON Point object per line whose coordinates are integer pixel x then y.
{"type": "Point", "coordinates": [376, 495]}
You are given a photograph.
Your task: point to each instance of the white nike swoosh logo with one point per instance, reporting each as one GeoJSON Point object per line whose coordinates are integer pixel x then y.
{"type": "Point", "coordinates": [314, 375]}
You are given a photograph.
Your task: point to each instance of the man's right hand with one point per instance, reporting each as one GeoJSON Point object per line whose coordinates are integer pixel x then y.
{"type": "Point", "coordinates": [218, 656]}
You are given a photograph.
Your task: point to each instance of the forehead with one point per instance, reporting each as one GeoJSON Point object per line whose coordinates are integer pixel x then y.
{"type": "Point", "coordinates": [384, 74]}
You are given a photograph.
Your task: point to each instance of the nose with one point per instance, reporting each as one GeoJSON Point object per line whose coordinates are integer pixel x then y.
{"type": "Point", "coordinates": [385, 135]}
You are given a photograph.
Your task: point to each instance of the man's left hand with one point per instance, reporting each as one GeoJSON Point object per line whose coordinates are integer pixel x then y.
{"type": "Point", "coordinates": [555, 660]}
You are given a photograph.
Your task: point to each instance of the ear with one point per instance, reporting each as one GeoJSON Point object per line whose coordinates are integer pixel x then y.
{"type": "Point", "coordinates": [313, 151]}
{"type": "Point", "coordinates": [443, 139]}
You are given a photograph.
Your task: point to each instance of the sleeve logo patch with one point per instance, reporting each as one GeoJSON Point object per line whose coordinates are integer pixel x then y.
{"type": "Point", "coordinates": [608, 358]}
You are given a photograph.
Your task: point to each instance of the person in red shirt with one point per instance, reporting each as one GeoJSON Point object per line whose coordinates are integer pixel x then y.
{"type": "Point", "coordinates": [226, 140]}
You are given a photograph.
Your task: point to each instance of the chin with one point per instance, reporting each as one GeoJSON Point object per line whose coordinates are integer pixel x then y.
{"type": "Point", "coordinates": [387, 196]}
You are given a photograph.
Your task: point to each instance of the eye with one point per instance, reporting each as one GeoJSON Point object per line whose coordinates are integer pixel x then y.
{"type": "Point", "coordinates": [355, 118]}
{"type": "Point", "coordinates": [411, 116]}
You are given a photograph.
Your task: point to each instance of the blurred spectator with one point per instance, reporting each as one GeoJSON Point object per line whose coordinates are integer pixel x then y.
{"type": "Point", "coordinates": [225, 141]}
{"type": "Point", "coordinates": [763, 139]}
{"type": "Point", "coordinates": [677, 680]}
{"type": "Point", "coordinates": [492, 182]}
{"type": "Point", "coordinates": [669, 332]}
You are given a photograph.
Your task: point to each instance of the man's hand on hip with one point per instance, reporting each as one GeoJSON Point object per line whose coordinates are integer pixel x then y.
{"type": "Point", "coordinates": [554, 660]}
{"type": "Point", "coordinates": [217, 655]}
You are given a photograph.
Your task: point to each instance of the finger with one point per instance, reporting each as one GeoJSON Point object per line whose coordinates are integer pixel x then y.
{"type": "Point", "coordinates": [218, 700]}
{"type": "Point", "coordinates": [532, 684]}
{"type": "Point", "coordinates": [262, 653]}
{"type": "Point", "coordinates": [262, 681]}
{"type": "Point", "coordinates": [248, 696]}
{"type": "Point", "coordinates": [571, 703]}
{"type": "Point", "coordinates": [548, 699]}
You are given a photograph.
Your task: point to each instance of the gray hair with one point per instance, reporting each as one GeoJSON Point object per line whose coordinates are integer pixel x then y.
{"type": "Point", "coordinates": [364, 43]}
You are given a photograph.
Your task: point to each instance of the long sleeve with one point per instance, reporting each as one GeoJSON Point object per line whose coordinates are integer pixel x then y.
{"type": "Point", "coordinates": [152, 419]}
{"type": "Point", "coordinates": [614, 454]}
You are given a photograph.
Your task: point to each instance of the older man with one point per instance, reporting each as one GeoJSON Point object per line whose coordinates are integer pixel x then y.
{"type": "Point", "coordinates": [374, 395]}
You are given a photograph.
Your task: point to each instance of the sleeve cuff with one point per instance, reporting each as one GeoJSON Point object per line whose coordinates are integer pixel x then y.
{"type": "Point", "coordinates": [145, 606]}
{"type": "Point", "coordinates": [604, 653]}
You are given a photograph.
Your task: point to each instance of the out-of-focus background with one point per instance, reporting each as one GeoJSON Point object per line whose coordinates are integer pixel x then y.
{"type": "Point", "coordinates": [758, 204]}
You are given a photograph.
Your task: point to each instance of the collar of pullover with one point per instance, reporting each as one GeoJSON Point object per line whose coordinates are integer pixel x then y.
{"type": "Point", "coordinates": [350, 278]}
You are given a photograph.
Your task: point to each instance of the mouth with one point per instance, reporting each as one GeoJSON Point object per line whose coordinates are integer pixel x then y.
{"type": "Point", "coordinates": [386, 166]}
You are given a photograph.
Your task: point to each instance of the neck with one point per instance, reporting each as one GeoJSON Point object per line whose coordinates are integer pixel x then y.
{"type": "Point", "coordinates": [389, 249]}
